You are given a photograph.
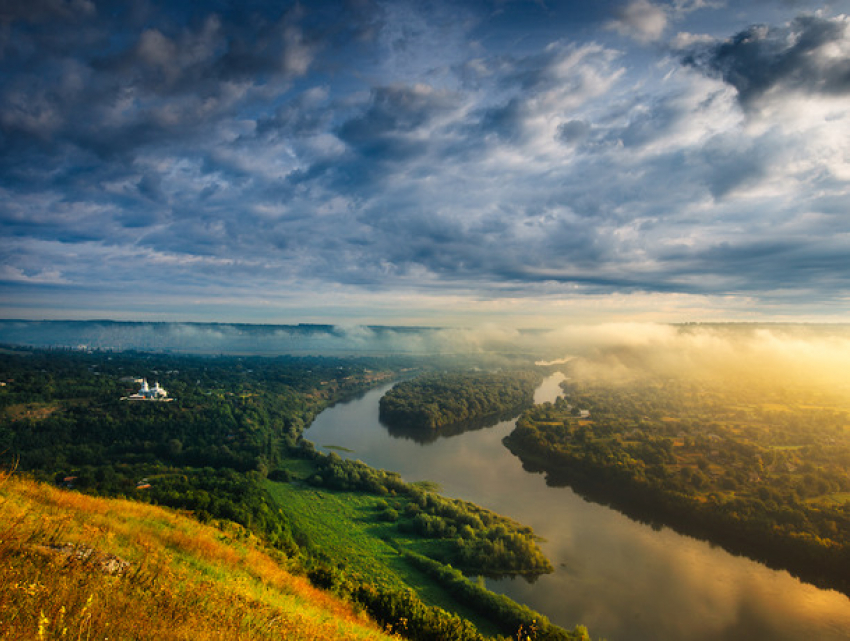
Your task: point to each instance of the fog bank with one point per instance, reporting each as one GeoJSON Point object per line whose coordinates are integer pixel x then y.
{"type": "Point", "coordinates": [793, 352]}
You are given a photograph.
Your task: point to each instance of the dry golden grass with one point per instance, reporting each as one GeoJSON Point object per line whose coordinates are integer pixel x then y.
{"type": "Point", "coordinates": [31, 411]}
{"type": "Point", "coordinates": [185, 580]}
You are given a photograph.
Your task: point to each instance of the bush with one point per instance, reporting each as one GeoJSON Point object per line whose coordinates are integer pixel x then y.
{"type": "Point", "coordinates": [280, 475]}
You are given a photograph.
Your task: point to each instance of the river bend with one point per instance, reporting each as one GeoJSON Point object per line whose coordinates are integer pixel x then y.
{"type": "Point", "coordinates": [624, 580]}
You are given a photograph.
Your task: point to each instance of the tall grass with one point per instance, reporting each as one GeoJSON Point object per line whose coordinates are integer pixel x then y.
{"type": "Point", "coordinates": [181, 580]}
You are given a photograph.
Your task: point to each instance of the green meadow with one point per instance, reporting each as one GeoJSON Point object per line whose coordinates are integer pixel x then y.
{"type": "Point", "coordinates": [345, 529]}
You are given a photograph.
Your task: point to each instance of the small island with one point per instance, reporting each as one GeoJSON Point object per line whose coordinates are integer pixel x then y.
{"type": "Point", "coordinates": [433, 401]}
{"type": "Point", "coordinates": [231, 453]}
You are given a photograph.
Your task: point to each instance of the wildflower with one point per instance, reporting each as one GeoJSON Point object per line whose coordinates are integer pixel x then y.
{"type": "Point", "coordinates": [42, 625]}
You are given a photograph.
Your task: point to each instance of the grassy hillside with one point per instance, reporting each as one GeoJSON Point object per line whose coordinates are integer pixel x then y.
{"type": "Point", "coordinates": [78, 567]}
{"type": "Point", "coordinates": [228, 449]}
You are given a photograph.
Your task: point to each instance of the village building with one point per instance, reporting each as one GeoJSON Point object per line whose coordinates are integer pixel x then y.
{"type": "Point", "coordinates": [147, 393]}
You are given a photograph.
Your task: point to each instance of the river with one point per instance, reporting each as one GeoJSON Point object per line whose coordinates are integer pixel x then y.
{"type": "Point", "coordinates": [624, 580]}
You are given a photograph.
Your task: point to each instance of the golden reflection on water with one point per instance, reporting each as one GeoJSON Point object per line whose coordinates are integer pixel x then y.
{"type": "Point", "coordinates": [626, 581]}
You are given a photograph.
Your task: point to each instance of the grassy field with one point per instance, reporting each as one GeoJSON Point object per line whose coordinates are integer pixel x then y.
{"type": "Point", "coordinates": [836, 498]}
{"type": "Point", "coordinates": [77, 567]}
{"type": "Point", "coordinates": [346, 529]}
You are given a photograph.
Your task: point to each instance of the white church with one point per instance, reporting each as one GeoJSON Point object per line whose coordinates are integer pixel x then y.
{"type": "Point", "coordinates": [146, 393]}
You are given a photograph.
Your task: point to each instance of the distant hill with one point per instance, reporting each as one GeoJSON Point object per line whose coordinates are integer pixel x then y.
{"type": "Point", "coordinates": [77, 567]}
{"type": "Point", "coordinates": [346, 339]}
{"type": "Point", "coordinates": [218, 338]}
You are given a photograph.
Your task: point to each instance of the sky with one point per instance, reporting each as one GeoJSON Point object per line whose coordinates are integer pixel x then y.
{"type": "Point", "coordinates": [526, 163]}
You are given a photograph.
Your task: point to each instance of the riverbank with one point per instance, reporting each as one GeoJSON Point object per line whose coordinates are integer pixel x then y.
{"type": "Point", "coordinates": [439, 401]}
{"type": "Point", "coordinates": [808, 560]}
{"type": "Point", "coordinates": [621, 578]}
{"type": "Point", "coordinates": [706, 458]}
{"type": "Point", "coordinates": [361, 536]}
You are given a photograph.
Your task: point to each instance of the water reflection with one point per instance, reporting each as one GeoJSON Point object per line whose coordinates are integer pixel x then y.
{"type": "Point", "coordinates": [425, 435]}
{"type": "Point", "coordinates": [626, 581]}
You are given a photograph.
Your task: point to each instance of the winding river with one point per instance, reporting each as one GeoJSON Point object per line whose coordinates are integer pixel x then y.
{"type": "Point", "coordinates": [624, 580]}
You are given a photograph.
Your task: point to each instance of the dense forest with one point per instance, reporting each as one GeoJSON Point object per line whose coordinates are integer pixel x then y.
{"type": "Point", "coordinates": [233, 428]}
{"type": "Point", "coordinates": [231, 421]}
{"type": "Point", "coordinates": [760, 468]}
{"type": "Point", "coordinates": [439, 400]}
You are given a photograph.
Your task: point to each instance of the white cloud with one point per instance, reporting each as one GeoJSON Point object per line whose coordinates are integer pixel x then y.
{"type": "Point", "coordinates": [641, 20]}
{"type": "Point", "coordinates": [13, 274]}
{"type": "Point", "coordinates": [435, 157]}
{"type": "Point", "coordinates": [685, 40]}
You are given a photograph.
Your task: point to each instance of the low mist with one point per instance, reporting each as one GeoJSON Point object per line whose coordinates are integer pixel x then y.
{"type": "Point", "coordinates": [818, 354]}
{"type": "Point", "coordinates": [781, 354]}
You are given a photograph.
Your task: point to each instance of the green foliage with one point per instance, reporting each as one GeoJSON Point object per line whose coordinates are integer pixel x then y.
{"type": "Point", "coordinates": [234, 423]}
{"type": "Point", "coordinates": [496, 607]}
{"type": "Point", "coordinates": [80, 567]}
{"type": "Point", "coordinates": [480, 541]}
{"type": "Point", "coordinates": [405, 614]}
{"type": "Point", "coordinates": [232, 420]}
{"type": "Point", "coordinates": [755, 467]}
{"type": "Point", "coordinates": [438, 400]}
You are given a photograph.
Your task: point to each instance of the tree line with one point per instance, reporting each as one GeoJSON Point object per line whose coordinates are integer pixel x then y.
{"type": "Point", "coordinates": [480, 541]}
{"type": "Point", "coordinates": [234, 422]}
{"type": "Point", "coordinates": [761, 470]}
{"type": "Point", "coordinates": [437, 400]}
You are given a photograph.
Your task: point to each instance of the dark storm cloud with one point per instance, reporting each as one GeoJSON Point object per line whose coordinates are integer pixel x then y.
{"type": "Point", "coordinates": [574, 131]}
{"type": "Point", "coordinates": [506, 121]}
{"type": "Point", "coordinates": [730, 164]}
{"type": "Point", "coordinates": [810, 55]}
{"type": "Point", "coordinates": [39, 10]}
{"type": "Point", "coordinates": [652, 120]}
{"type": "Point", "coordinates": [424, 147]}
{"type": "Point", "coordinates": [758, 266]}
{"type": "Point", "coordinates": [111, 123]}
{"type": "Point", "coordinates": [390, 127]}
{"type": "Point", "coordinates": [197, 58]}
{"type": "Point", "coordinates": [111, 88]}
